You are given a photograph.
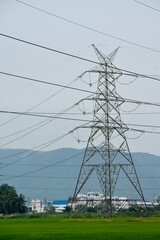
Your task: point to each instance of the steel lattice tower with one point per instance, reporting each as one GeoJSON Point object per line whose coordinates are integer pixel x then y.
{"type": "Point", "coordinates": [107, 138]}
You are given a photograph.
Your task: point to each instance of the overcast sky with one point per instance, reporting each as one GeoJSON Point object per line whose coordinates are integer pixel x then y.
{"type": "Point", "coordinates": [125, 19]}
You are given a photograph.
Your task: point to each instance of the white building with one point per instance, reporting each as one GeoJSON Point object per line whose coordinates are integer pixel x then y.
{"type": "Point", "coordinates": [60, 205]}
{"type": "Point", "coordinates": [156, 200]}
{"type": "Point", "coordinates": [95, 198]}
{"type": "Point", "coordinates": [37, 206]}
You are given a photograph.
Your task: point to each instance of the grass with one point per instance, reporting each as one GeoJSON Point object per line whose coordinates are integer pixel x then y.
{"type": "Point", "coordinates": [86, 229]}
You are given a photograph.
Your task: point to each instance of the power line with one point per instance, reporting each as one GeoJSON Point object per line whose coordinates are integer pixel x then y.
{"type": "Point", "coordinates": [73, 119]}
{"type": "Point", "coordinates": [143, 125]}
{"type": "Point", "coordinates": [43, 188]}
{"type": "Point", "coordinates": [45, 167]}
{"type": "Point", "coordinates": [47, 48]}
{"type": "Point", "coordinates": [140, 113]}
{"type": "Point", "coordinates": [143, 131]}
{"type": "Point", "coordinates": [89, 28]}
{"type": "Point", "coordinates": [44, 177]}
{"type": "Point", "coordinates": [148, 6]}
{"type": "Point", "coordinates": [78, 119]}
{"type": "Point", "coordinates": [26, 134]}
{"type": "Point", "coordinates": [29, 150]}
{"type": "Point", "coordinates": [41, 147]}
{"type": "Point", "coordinates": [71, 177]}
{"type": "Point", "coordinates": [42, 123]}
{"type": "Point", "coordinates": [131, 73]}
{"type": "Point", "coordinates": [39, 125]}
{"type": "Point", "coordinates": [44, 116]}
{"type": "Point", "coordinates": [72, 165]}
{"type": "Point", "coordinates": [44, 82]}
{"type": "Point", "coordinates": [16, 154]}
{"type": "Point", "coordinates": [38, 104]}
{"type": "Point", "coordinates": [23, 130]}
{"type": "Point", "coordinates": [86, 189]}
{"type": "Point", "coordinates": [91, 113]}
{"type": "Point", "coordinates": [83, 90]}
{"type": "Point", "coordinates": [141, 102]}
{"type": "Point", "coordinates": [134, 74]}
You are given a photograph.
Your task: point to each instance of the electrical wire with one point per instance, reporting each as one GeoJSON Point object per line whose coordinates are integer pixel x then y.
{"type": "Point", "coordinates": [155, 9]}
{"type": "Point", "coordinates": [73, 119]}
{"type": "Point", "coordinates": [86, 189]}
{"type": "Point", "coordinates": [83, 120]}
{"type": "Point", "coordinates": [40, 147]}
{"type": "Point", "coordinates": [131, 73]}
{"type": "Point", "coordinates": [143, 131]}
{"type": "Point", "coordinates": [128, 82]}
{"type": "Point", "coordinates": [26, 134]}
{"type": "Point", "coordinates": [47, 177]}
{"type": "Point", "coordinates": [82, 90]}
{"type": "Point", "coordinates": [43, 123]}
{"type": "Point", "coordinates": [140, 102]}
{"type": "Point", "coordinates": [89, 28]}
{"type": "Point", "coordinates": [130, 111]}
{"type": "Point", "coordinates": [71, 177]}
{"type": "Point", "coordinates": [42, 165]}
{"type": "Point", "coordinates": [143, 125]}
{"type": "Point", "coordinates": [47, 48]}
{"type": "Point", "coordinates": [38, 126]}
{"type": "Point", "coordinates": [45, 82]}
{"type": "Point", "coordinates": [40, 169]}
{"type": "Point", "coordinates": [38, 104]}
{"type": "Point", "coordinates": [74, 165]}
{"type": "Point", "coordinates": [127, 72]}
{"type": "Point", "coordinates": [134, 138]}
{"type": "Point", "coordinates": [43, 116]}
{"type": "Point", "coordinates": [16, 154]}
{"type": "Point", "coordinates": [23, 130]}
{"type": "Point", "coordinates": [140, 113]}
{"type": "Point", "coordinates": [91, 113]}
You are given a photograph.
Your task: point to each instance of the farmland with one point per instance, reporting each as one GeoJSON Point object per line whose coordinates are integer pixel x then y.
{"type": "Point", "coordinates": [80, 228]}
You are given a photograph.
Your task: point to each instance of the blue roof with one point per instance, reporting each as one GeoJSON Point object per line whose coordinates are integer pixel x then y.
{"type": "Point", "coordinates": [60, 202]}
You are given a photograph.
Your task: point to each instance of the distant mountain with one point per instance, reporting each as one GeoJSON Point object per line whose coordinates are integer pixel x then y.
{"type": "Point", "coordinates": [53, 174]}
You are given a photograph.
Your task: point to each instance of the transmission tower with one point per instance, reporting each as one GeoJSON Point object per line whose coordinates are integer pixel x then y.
{"type": "Point", "coordinates": [107, 151]}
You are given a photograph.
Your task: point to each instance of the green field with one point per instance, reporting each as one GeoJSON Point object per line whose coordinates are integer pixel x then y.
{"type": "Point", "coordinates": [80, 229]}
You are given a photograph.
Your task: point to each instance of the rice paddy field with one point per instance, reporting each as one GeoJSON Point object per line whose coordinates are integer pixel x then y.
{"type": "Point", "coordinates": [80, 229]}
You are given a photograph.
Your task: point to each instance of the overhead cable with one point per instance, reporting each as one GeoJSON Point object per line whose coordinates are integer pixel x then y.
{"type": "Point", "coordinates": [148, 6]}
{"type": "Point", "coordinates": [44, 82]}
{"type": "Point", "coordinates": [35, 106]}
{"type": "Point", "coordinates": [65, 118]}
{"type": "Point", "coordinates": [131, 73]}
{"type": "Point", "coordinates": [89, 28]}
{"type": "Point", "coordinates": [37, 126]}
{"type": "Point", "coordinates": [45, 167]}
{"type": "Point", "coordinates": [40, 147]}
{"type": "Point", "coordinates": [69, 177]}
{"type": "Point", "coordinates": [80, 89]}
{"type": "Point", "coordinates": [47, 48]}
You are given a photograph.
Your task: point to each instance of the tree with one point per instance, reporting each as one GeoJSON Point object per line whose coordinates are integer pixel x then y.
{"type": "Point", "coordinates": [10, 202]}
{"type": "Point", "coordinates": [51, 209]}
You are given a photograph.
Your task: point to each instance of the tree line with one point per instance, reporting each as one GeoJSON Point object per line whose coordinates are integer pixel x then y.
{"type": "Point", "coordinates": [10, 201]}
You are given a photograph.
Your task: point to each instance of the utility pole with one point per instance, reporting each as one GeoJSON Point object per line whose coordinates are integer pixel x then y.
{"type": "Point", "coordinates": [107, 151]}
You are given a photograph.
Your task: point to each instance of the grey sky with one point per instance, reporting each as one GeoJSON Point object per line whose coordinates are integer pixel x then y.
{"type": "Point", "coordinates": [124, 19]}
